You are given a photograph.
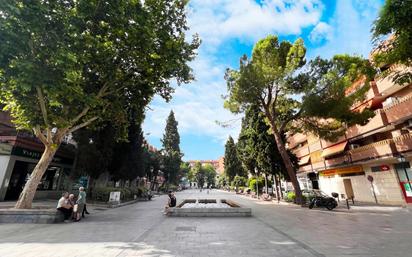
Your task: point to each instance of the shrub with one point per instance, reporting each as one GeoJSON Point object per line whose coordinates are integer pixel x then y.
{"type": "Point", "coordinates": [252, 184]}
{"type": "Point", "coordinates": [103, 193]}
{"type": "Point", "coordinates": [290, 196]}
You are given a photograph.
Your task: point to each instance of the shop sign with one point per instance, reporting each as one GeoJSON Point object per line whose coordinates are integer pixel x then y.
{"type": "Point", "coordinates": [36, 155]}
{"type": "Point", "coordinates": [383, 167]}
{"type": "Point", "coordinates": [83, 180]}
{"type": "Point", "coordinates": [5, 149]}
{"type": "Point", "coordinates": [114, 197]}
{"type": "Point", "coordinates": [346, 170]}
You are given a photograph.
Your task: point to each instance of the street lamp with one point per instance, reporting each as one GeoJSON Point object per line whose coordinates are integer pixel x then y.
{"type": "Point", "coordinates": [257, 184]}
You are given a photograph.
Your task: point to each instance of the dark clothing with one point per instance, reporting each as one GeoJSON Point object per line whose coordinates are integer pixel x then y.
{"type": "Point", "coordinates": [66, 212]}
{"type": "Point", "coordinates": [172, 201]}
{"type": "Point", "coordinates": [84, 210]}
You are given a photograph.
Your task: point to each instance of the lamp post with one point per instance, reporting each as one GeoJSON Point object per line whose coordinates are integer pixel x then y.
{"type": "Point", "coordinates": [257, 183]}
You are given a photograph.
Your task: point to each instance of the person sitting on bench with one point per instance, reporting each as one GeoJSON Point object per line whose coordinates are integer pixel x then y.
{"type": "Point", "coordinates": [64, 206]}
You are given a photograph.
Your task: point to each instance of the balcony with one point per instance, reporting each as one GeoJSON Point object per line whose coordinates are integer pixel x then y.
{"type": "Point", "coordinates": [318, 165]}
{"type": "Point", "coordinates": [377, 122]}
{"type": "Point", "coordinates": [337, 161]}
{"type": "Point", "coordinates": [376, 150]}
{"type": "Point", "coordinates": [403, 143]}
{"type": "Point", "coordinates": [315, 146]}
{"type": "Point", "coordinates": [386, 86]}
{"type": "Point", "coordinates": [305, 168]}
{"type": "Point", "coordinates": [400, 110]}
{"type": "Point", "coordinates": [302, 151]}
{"type": "Point", "coordinates": [326, 144]}
{"type": "Point", "coordinates": [296, 139]}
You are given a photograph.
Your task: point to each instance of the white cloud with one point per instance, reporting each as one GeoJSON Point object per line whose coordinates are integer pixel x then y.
{"type": "Point", "coordinates": [351, 24]}
{"type": "Point", "coordinates": [322, 31]}
{"type": "Point", "coordinates": [218, 20]}
{"type": "Point", "coordinates": [197, 106]}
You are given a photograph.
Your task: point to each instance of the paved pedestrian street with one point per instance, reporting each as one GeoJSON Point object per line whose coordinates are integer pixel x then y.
{"type": "Point", "coordinates": [274, 230]}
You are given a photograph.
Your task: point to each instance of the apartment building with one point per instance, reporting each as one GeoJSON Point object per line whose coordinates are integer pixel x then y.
{"type": "Point", "coordinates": [217, 164]}
{"type": "Point", "coordinates": [371, 163]}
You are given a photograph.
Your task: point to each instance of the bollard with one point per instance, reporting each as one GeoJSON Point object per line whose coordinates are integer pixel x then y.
{"type": "Point", "coordinates": [347, 203]}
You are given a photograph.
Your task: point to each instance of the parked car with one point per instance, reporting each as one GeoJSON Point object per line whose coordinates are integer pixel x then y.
{"type": "Point", "coordinates": [321, 199]}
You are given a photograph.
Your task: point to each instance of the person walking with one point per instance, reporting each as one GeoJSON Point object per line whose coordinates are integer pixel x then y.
{"type": "Point", "coordinates": [81, 201]}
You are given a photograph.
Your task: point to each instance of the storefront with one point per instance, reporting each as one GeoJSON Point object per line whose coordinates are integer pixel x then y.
{"type": "Point", "coordinates": [16, 166]}
{"type": "Point", "coordinates": [374, 182]}
{"type": "Point", "coordinates": [344, 181]}
{"type": "Point", "coordinates": [404, 173]}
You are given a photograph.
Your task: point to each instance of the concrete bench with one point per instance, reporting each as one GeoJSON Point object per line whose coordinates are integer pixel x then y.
{"type": "Point", "coordinates": [42, 216]}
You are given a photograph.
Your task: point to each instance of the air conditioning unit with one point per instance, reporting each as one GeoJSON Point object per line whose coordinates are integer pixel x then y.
{"type": "Point", "coordinates": [353, 146]}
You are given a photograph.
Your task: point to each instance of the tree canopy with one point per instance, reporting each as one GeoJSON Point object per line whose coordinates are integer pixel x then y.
{"type": "Point", "coordinates": [293, 96]}
{"type": "Point", "coordinates": [67, 64]}
{"type": "Point", "coordinates": [392, 34]}
{"type": "Point", "coordinates": [395, 20]}
{"type": "Point", "coordinates": [258, 146]}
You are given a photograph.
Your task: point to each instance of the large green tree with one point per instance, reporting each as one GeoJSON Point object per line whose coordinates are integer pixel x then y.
{"type": "Point", "coordinates": [314, 100]}
{"type": "Point", "coordinates": [395, 21]}
{"type": "Point", "coordinates": [210, 175]}
{"type": "Point", "coordinates": [233, 166]}
{"type": "Point", "coordinates": [199, 174]}
{"type": "Point", "coordinates": [94, 151]}
{"type": "Point", "coordinates": [65, 64]}
{"type": "Point", "coordinates": [172, 156]}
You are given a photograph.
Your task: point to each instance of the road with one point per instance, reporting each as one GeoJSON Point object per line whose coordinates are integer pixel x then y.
{"type": "Point", "coordinates": [274, 230]}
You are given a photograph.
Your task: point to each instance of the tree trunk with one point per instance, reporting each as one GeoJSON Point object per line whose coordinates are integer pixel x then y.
{"type": "Point", "coordinates": [286, 159]}
{"type": "Point", "coordinates": [275, 179]}
{"type": "Point", "coordinates": [27, 195]}
{"type": "Point", "coordinates": [280, 186]}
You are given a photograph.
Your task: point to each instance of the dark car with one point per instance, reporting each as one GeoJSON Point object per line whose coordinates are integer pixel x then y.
{"type": "Point", "coordinates": [320, 199]}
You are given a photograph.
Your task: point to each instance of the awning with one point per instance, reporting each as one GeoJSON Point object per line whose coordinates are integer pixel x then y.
{"type": "Point", "coordinates": [335, 149]}
{"type": "Point", "coordinates": [304, 160]}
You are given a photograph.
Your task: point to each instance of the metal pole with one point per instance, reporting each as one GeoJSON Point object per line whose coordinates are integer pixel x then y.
{"type": "Point", "coordinates": [374, 194]}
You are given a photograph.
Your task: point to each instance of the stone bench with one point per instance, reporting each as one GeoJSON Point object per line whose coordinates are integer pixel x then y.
{"type": "Point", "coordinates": [42, 216]}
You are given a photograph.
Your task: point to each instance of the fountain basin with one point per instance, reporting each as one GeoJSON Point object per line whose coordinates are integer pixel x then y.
{"type": "Point", "coordinates": [209, 208]}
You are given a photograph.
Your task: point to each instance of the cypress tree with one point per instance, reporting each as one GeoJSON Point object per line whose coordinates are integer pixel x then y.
{"type": "Point", "coordinates": [233, 166]}
{"type": "Point", "coordinates": [171, 150]}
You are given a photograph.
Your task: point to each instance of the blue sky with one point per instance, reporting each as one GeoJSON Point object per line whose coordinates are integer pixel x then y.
{"type": "Point", "coordinates": [228, 29]}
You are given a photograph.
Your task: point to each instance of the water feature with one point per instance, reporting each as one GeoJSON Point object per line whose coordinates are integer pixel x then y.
{"type": "Point", "coordinates": [209, 208]}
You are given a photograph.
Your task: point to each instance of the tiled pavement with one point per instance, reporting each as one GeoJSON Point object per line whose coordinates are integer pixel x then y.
{"type": "Point", "coordinates": [141, 230]}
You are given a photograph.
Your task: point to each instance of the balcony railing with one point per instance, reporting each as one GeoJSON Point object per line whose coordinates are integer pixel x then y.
{"type": "Point", "coordinates": [315, 146]}
{"type": "Point", "coordinates": [403, 143]}
{"type": "Point", "coordinates": [372, 151]}
{"type": "Point", "coordinates": [296, 139]}
{"type": "Point", "coordinates": [326, 144]}
{"type": "Point", "coordinates": [378, 121]}
{"type": "Point", "coordinates": [386, 86]}
{"type": "Point", "coordinates": [302, 151]}
{"type": "Point", "coordinates": [337, 161]}
{"type": "Point", "coordinates": [400, 110]}
{"type": "Point", "coordinates": [305, 168]}
{"type": "Point", "coordinates": [318, 165]}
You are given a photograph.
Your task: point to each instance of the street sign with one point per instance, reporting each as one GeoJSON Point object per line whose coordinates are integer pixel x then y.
{"type": "Point", "coordinates": [114, 197]}
{"type": "Point", "coordinates": [370, 178]}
